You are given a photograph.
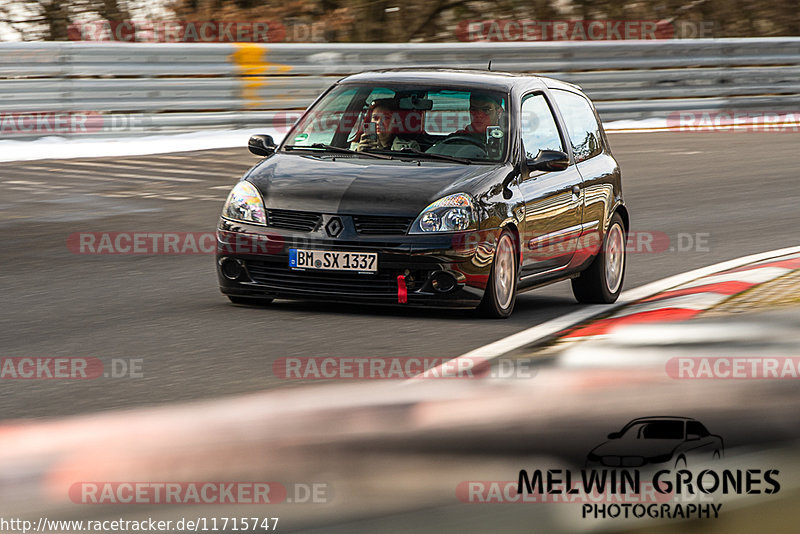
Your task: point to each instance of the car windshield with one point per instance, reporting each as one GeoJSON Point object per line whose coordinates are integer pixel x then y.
{"type": "Point", "coordinates": [420, 122]}
{"type": "Point", "coordinates": [655, 430]}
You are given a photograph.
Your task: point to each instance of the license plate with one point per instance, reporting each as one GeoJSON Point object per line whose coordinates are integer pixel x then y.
{"type": "Point", "coordinates": [329, 260]}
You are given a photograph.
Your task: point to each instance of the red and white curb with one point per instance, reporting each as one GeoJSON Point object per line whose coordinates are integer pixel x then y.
{"type": "Point", "coordinates": [674, 298]}
{"type": "Point", "coordinates": [688, 300]}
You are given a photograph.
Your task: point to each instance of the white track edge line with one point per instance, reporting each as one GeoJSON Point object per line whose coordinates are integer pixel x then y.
{"type": "Point", "coordinates": [553, 326]}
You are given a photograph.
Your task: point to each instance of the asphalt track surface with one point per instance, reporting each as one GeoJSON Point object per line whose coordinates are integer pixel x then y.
{"type": "Point", "coordinates": [735, 192]}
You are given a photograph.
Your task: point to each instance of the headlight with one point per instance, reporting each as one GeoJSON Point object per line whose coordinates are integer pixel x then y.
{"type": "Point", "coordinates": [244, 204]}
{"type": "Point", "coordinates": [454, 213]}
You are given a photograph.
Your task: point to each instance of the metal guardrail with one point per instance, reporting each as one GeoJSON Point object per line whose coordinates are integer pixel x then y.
{"type": "Point", "coordinates": [233, 85]}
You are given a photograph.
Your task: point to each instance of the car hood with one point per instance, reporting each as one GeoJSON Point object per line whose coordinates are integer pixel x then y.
{"type": "Point", "coordinates": [637, 447]}
{"type": "Point", "coordinates": [349, 185]}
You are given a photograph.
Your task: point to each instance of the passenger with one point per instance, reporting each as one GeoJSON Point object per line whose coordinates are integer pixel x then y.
{"type": "Point", "coordinates": [381, 113]}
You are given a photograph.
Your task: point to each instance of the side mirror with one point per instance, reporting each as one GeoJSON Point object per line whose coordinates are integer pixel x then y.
{"type": "Point", "coordinates": [549, 160]}
{"type": "Point", "coordinates": [614, 435]}
{"type": "Point", "coordinates": [261, 145]}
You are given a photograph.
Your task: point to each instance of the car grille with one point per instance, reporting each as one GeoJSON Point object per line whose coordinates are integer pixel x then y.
{"type": "Point", "coordinates": [302, 221]}
{"type": "Point", "coordinates": [307, 221]}
{"type": "Point", "coordinates": [370, 225]}
{"type": "Point", "coordinates": [280, 278]}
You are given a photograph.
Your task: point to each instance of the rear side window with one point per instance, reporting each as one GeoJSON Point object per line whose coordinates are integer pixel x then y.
{"type": "Point", "coordinates": [539, 130]}
{"type": "Point", "coordinates": [582, 126]}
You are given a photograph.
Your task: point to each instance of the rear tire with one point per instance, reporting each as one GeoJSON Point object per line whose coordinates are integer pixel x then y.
{"type": "Point", "coordinates": [258, 301]}
{"type": "Point", "coordinates": [501, 289]}
{"type": "Point", "coordinates": [601, 283]}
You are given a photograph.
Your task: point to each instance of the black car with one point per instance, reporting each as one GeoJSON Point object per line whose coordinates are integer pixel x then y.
{"type": "Point", "coordinates": [448, 188]}
{"type": "Point", "coordinates": [676, 441]}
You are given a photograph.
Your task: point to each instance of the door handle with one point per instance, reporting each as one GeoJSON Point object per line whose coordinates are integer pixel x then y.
{"type": "Point", "coordinates": [576, 190]}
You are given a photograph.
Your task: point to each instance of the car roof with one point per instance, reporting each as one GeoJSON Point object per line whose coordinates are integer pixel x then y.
{"type": "Point", "coordinates": [662, 418]}
{"type": "Point", "coordinates": [484, 79]}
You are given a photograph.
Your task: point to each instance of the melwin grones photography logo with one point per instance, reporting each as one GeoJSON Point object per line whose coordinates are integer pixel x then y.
{"type": "Point", "coordinates": [663, 467]}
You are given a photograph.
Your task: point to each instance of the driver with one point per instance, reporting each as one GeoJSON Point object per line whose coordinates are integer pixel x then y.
{"type": "Point", "coordinates": [485, 110]}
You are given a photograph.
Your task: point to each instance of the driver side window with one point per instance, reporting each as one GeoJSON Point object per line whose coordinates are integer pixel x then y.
{"type": "Point", "coordinates": [539, 130]}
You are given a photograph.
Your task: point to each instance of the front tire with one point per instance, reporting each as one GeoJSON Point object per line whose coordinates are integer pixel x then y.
{"type": "Point", "coordinates": [601, 283]}
{"type": "Point", "coordinates": [501, 289]}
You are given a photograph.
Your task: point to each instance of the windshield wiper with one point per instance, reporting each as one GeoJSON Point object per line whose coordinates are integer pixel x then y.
{"type": "Point", "coordinates": [409, 150]}
{"type": "Point", "coordinates": [339, 149]}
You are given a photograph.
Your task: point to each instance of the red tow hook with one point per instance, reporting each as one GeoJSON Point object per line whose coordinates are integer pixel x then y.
{"type": "Point", "coordinates": [402, 292]}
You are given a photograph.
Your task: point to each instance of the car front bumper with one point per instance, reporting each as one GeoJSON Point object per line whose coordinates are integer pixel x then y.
{"type": "Point", "coordinates": [253, 261]}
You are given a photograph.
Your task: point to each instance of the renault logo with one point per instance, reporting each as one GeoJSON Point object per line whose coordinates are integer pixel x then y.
{"type": "Point", "coordinates": [334, 227]}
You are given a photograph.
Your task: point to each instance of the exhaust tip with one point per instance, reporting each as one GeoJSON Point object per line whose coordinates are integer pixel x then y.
{"type": "Point", "coordinates": [443, 282]}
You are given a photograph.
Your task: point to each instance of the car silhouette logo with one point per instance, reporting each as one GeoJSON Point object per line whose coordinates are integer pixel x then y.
{"type": "Point", "coordinates": [334, 227]}
{"type": "Point", "coordinates": [674, 441]}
